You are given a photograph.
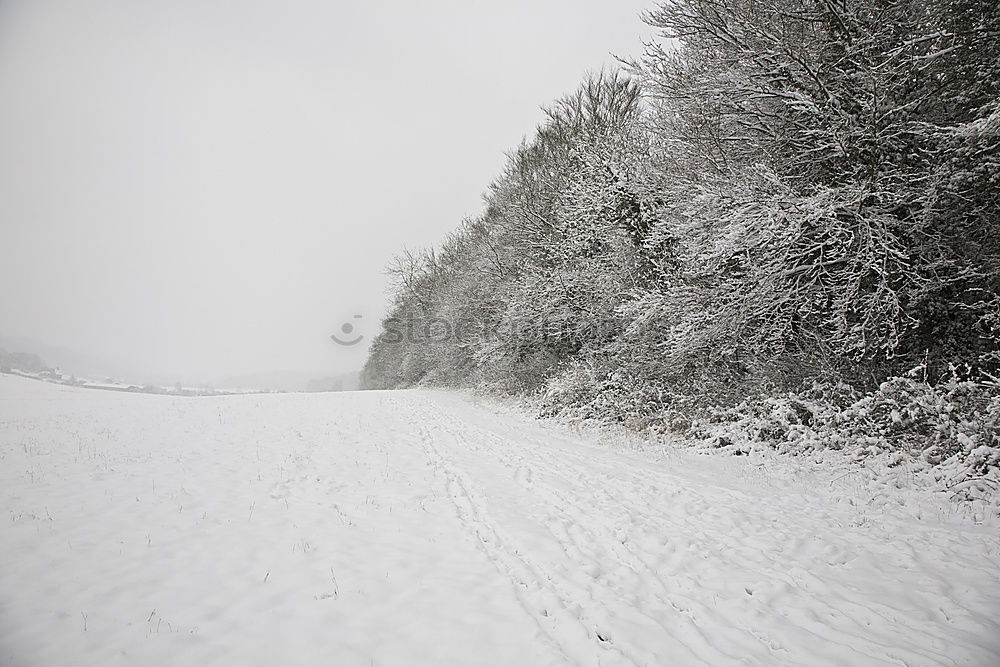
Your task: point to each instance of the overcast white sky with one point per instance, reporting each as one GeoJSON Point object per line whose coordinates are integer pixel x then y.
{"type": "Point", "coordinates": [201, 188]}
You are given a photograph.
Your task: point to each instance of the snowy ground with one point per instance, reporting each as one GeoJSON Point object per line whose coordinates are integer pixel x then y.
{"type": "Point", "coordinates": [417, 528]}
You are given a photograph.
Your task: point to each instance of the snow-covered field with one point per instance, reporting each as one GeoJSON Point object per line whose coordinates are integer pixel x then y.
{"type": "Point", "coordinates": [418, 528]}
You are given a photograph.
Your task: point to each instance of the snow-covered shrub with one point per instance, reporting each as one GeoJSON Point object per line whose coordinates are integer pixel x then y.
{"type": "Point", "coordinates": [623, 397]}
{"type": "Point", "coordinates": [574, 388]}
{"type": "Point", "coordinates": [610, 394]}
{"type": "Point", "coordinates": [952, 426]}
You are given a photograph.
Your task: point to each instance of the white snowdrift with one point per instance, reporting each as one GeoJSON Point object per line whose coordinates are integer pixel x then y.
{"type": "Point", "coordinates": [416, 528]}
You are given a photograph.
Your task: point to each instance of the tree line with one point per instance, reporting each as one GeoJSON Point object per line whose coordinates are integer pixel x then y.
{"type": "Point", "coordinates": [776, 193]}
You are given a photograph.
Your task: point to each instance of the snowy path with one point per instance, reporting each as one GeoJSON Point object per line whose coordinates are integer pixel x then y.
{"type": "Point", "coordinates": [416, 528]}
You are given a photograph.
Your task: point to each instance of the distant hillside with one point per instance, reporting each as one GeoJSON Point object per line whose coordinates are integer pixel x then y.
{"type": "Point", "coordinates": [81, 364]}
{"type": "Point", "coordinates": [22, 361]}
{"type": "Point", "coordinates": [293, 381]}
{"type": "Point", "coordinates": [341, 382]}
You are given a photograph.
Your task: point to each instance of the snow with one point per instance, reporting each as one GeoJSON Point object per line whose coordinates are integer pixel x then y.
{"type": "Point", "coordinates": [424, 528]}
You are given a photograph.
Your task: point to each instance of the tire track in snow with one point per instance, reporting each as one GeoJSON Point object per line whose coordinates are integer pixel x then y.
{"type": "Point", "coordinates": [592, 600]}
{"type": "Point", "coordinates": [573, 500]}
{"type": "Point", "coordinates": [556, 608]}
